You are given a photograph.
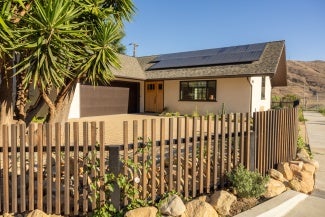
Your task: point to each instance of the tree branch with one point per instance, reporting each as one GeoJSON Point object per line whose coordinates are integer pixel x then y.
{"type": "Point", "coordinates": [63, 92]}
{"type": "Point", "coordinates": [34, 109]}
{"type": "Point", "coordinates": [17, 17]}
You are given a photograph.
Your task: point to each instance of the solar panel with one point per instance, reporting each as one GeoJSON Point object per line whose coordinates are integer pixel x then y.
{"type": "Point", "coordinates": [236, 54]}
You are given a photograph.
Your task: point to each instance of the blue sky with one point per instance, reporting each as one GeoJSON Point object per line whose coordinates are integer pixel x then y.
{"type": "Point", "coordinates": [169, 26]}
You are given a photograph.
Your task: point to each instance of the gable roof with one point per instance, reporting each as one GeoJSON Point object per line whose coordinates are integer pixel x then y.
{"type": "Point", "coordinates": [271, 61]}
{"type": "Point", "coordinates": [130, 68]}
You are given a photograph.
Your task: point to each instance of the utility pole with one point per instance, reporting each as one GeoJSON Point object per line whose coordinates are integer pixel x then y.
{"type": "Point", "coordinates": [134, 48]}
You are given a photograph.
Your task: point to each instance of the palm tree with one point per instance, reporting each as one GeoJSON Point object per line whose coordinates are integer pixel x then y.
{"type": "Point", "coordinates": [62, 41]}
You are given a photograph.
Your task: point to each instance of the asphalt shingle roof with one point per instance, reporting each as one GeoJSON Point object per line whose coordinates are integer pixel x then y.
{"type": "Point", "coordinates": [130, 68]}
{"type": "Point", "coordinates": [138, 68]}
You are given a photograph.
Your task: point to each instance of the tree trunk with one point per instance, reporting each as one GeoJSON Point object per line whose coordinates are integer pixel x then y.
{"type": "Point", "coordinates": [34, 109]}
{"type": "Point", "coordinates": [6, 102]}
{"type": "Point", "coordinates": [21, 99]}
{"type": "Point", "coordinates": [58, 111]}
{"type": "Point", "coordinates": [6, 91]}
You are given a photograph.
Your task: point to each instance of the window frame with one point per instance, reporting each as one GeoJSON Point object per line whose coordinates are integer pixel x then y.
{"type": "Point", "coordinates": [206, 89]}
{"type": "Point", "coordinates": [263, 85]}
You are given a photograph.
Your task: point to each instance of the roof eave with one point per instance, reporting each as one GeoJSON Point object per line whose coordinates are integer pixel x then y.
{"type": "Point", "coordinates": [279, 78]}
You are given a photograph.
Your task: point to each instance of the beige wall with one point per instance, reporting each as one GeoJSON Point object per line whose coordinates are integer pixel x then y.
{"type": "Point", "coordinates": [233, 92]}
{"type": "Point", "coordinates": [259, 104]}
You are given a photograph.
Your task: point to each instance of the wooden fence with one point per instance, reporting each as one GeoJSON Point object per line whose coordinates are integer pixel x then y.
{"type": "Point", "coordinates": [275, 135]}
{"type": "Point", "coordinates": [50, 167]}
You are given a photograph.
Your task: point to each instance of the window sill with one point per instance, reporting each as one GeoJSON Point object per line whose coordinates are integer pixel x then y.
{"type": "Point", "coordinates": [197, 100]}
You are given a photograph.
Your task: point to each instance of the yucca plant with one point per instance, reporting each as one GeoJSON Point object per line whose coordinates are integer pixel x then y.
{"type": "Point", "coordinates": [59, 42]}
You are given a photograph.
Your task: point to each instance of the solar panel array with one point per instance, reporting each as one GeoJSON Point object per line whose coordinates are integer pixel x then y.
{"type": "Point", "coordinates": [218, 56]}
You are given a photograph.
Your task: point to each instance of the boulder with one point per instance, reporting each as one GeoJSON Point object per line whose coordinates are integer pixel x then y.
{"type": "Point", "coordinates": [295, 185]}
{"type": "Point", "coordinates": [203, 198]}
{"type": "Point", "coordinates": [221, 201]}
{"type": "Point", "coordinates": [274, 188]}
{"type": "Point", "coordinates": [313, 162]}
{"type": "Point", "coordinates": [284, 168]}
{"type": "Point", "coordinates": [295, 168]}
{"type": "Point", "coordinates": [199, 208]}
{"type": "Point", "coordinates": [276, 175]}
{"type": "Point", "coordinates": [298, 163]}
{"type": "Point", "coordinates": [150, 211]}
{"type": "Point", "coordinates": [37, 213]}
{"type": "Point", "coordinates": [309, 168]}
{"type": "Point", "coordinates": [172, 206]}
{"type": "Point", "coordinates": [306, 180]}
{"type": "Point", "coordinates": [303, 175]}
{"type": "Point", "coordinates": [307, 186]}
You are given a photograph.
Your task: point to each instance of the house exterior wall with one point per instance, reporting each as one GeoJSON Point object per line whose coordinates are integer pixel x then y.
{"type": "Point", "coordinates": [234, 93]}
{"type": "Point", "coordinates": [75, 107]}
{"type": "Point", "coordinates": [74, 111]}
{"type": "Point", "coordinates": [141, 91]}
{"type": "Point", "coordinates": [259, 104]}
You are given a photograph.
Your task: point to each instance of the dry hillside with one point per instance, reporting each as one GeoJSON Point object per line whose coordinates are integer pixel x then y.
{"type": "Point", "coordinates": [306, 80]}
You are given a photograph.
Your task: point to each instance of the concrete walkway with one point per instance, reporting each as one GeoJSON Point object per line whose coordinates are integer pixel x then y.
{"type": "Point", "coordinates": [314, 205]}
{"type": "Point", "coordinates": [295, 204]}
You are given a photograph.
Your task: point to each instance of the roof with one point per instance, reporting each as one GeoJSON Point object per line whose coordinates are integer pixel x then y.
{"type": "Point", "coordinates": [271, 62]}
{"type": "Point", "coordinates": [215, 56]}
{"type": "Point", "coordinates": [130, 68]}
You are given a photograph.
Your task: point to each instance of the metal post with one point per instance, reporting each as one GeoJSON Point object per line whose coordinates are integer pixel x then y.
{"type": "Point", "coordinates": [252, 150]}
{"type": "Point", "coordinates": [115, 168]}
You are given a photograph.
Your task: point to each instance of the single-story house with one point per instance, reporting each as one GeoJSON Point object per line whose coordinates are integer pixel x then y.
{"type": "Point", "coordinates": [238, 79]}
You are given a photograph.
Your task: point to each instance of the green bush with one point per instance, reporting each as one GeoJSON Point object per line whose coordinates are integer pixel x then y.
{"type": "Point", "coordinates": [300, 143]}
{"type": "Point", "coordinates": [301, 117]}
{"type": "Point", "coordinates": [246, 183]}
{"type": "Point", "coordinates": [322, 111]}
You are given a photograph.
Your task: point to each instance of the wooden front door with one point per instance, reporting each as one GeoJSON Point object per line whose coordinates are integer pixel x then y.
{"type": "Point", "coordinates": [154, 92]}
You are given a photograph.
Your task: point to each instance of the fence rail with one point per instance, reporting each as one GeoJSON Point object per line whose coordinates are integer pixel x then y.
{"type": "Point", "coordinates": [50, 167]}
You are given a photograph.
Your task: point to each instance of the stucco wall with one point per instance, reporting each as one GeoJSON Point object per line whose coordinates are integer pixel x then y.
{"type": "Point", "coordinates": [259, 104]}
{"type": "Point", "coordinates": [74, 111]}
{"type": "Point", "coordinates": [233, 92]}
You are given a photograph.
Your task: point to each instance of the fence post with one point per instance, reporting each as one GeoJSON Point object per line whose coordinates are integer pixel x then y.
{"type": "Point", "coordinates": [114, 164]}
{"type": "Point", "coordinates": [252, 151]}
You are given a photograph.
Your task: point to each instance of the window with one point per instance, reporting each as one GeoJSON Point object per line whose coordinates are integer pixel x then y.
{"type": "Point", "coordinates": [198, 90]}
{"type": "Point", "coordinates": [263, 88]}
{"type": "Point", "coordinates": [150, 86]}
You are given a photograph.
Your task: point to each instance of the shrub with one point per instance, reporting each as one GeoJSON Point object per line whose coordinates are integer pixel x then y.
{"type": "Point", "coordinates": [300, 143]}
{"type": "Point", "coordinates": [322, 111]}
{"type": "Point", "coordinates": [301, 117]}
{"type": "Point", "coordinates": [246, 183]}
